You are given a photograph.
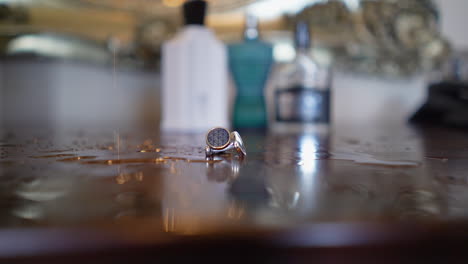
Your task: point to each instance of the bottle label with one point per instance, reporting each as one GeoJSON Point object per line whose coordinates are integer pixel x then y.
{"type": "Point", "coordinates": [302, 105]}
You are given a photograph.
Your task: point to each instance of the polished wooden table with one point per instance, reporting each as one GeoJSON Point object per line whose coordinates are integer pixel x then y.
{"type": "Point", "coordinates": [357, 194]}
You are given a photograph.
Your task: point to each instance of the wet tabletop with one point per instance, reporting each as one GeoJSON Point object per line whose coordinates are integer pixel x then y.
{"type": "Point", "coordinates": [85, 178]}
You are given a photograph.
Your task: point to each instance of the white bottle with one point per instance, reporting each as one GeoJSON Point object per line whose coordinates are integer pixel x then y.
{"type": "Point", "coordinates": [194, 76]}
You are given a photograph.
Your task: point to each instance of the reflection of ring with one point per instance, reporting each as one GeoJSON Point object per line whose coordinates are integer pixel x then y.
{"type": "Point", "coordinates": [226, 170]}
{"type": "Point", "coordinates": [220, 140]}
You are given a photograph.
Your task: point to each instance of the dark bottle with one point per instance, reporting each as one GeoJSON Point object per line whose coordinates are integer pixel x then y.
{"type": "Point", "coordinates": [301, 96]}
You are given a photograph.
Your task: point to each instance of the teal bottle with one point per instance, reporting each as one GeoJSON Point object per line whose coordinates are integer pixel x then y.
{"type": "Point", "coordinates": [250, 63]}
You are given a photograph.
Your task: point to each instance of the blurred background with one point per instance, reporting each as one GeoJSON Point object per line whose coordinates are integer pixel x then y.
{"type": "Point", "coordinates": [77, 63]}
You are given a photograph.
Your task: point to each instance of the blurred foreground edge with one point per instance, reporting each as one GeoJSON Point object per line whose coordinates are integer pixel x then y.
{"type": "Point", "coordinates": [321, 243]}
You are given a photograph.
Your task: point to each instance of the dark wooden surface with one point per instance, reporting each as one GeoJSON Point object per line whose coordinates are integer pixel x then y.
{"type": "Point", "coordinates": [355, 194]}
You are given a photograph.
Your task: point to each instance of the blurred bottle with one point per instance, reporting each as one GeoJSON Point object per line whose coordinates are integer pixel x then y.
{"type": "Point", "coordinates": [250, 63]}
{"type": "Point", "coordinates": [194, 72]}
{"type": "Point", "coordinates": [301, 100]}
{"type": "Point", "coordinates": [447, 96]}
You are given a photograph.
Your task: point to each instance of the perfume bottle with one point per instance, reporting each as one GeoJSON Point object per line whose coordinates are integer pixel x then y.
{"type": "Point", "coordinates": [250, 63]}
{"type": "Point", "coordinates": [194, 76]}
{"type": "Point", "coordinates": [301, 96]}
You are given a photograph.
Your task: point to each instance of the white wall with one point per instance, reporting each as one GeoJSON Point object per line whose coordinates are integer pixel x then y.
{"type": "Point", "coordinates": [364, 100]}
{"type": "Point", "coordinates": [454, 18]}
{"type": "Point", "coordinates": [73, 95]}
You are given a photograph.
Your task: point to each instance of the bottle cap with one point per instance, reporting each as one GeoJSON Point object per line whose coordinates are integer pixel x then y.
{"type": "Point", "coordinates": [302, 35]}
{"type": "Point", "coordinates": [194, 12]}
